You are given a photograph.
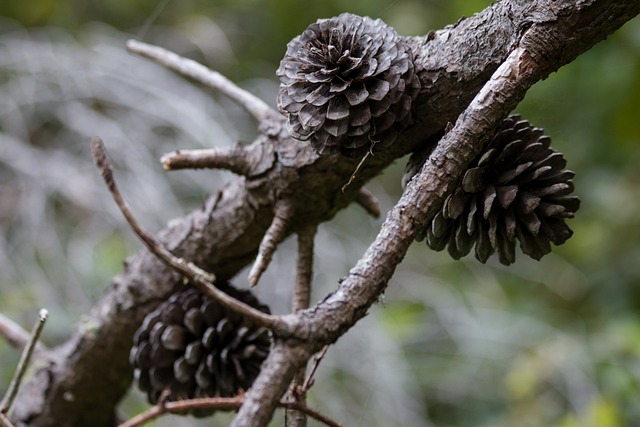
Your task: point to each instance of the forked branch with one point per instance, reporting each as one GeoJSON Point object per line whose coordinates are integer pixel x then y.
{"type": "Point", "coordinates": [203, 279]}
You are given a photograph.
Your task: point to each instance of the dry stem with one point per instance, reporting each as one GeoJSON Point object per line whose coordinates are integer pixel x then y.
{"type": "Point", "coordinates": [369, 202]}
{"type": "Point", "coordinates": [218, 403]}
{"type": "Point", "coordinates": [301, 300]}
{"type": "Point", "coordinates": [15, 335]}
{"type": "Point", "coordinates": [7, 401]}
{"type": "Point", "coordinates": [259, 109]}
{"type": "Point", "coordinates": [230, 158]}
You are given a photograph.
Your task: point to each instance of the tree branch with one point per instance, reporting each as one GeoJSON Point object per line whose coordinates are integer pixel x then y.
{"type": "Point", "coordinates": [12, 391]}
{"type": "Point", "coordinates": [368, 201]}
{"type": "Point", "coordinates": [301, 301]}
{"type": "Point", "coordinates": [245, 160]}
{"type": "Point", "coordinates": [531, 61]}
{"type": "Point", "coordinates": [203, 279]}
{"type": "Point", "coordinates": [276, 233]}
{"type": "Point", "coordinates": [15, 335]}
{"type": "Point", "coordinates": [453, 64]}
{"type": "Point", "coordinates": [217, 403]}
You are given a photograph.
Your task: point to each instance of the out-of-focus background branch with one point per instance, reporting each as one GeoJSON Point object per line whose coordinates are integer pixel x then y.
{"type": "Point", "coordinates": [555, 342]}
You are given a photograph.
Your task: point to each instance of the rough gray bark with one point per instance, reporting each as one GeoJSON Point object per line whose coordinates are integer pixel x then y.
{"type": "Point", "coordinates": [80, 382]}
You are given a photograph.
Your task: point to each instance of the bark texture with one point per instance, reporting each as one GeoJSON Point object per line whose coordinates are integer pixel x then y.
{"type": "Point", "coordinates": [472, 73]}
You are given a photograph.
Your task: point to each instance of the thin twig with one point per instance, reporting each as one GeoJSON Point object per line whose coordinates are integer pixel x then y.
{"type": "Point", "coordinates": [275, 234]}
{"type": "Point", "coordinates": [259, 109]}
{"type": "Point", "coordinates": [304, 267]}
{"type": "Point", "coordinates": [203, 279]}
{"type": "Point", "coordinates": [4, 421]}
{"type": "Point", "coordinates": [301, 300]}
{"type": "Point", "coordinates": [7, 401]}
{"type": "Point", "coordinates": [369, 202]}
{"type": "Point", "coordinates": [217, 403]}
{"type": "Point", "coordinates": [355, 172]}
{"type": "Point", "coordinates": [15, 335]}
{"type": "Point", "coordinates": [308, 382]}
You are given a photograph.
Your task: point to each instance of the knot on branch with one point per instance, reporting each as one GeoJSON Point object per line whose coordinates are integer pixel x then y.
{"type": "Point", "coordinates": [517, 188]}
{"type": "Point", "coordinates": [347, 85]}
{"type": "Point", "coordinates": [192, 347]}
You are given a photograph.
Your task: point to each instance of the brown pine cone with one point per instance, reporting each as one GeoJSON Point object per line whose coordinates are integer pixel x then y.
{"type": "Point", "coordinates": [347, 85]}
{"type": "Point", "coordinates": [194, 347]}
{"type": "Point", "coordinates": [516, 189]}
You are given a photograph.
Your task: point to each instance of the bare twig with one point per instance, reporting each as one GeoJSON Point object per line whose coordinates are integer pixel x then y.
{"type": "Point", "coordinates": [369, 202]}
{"type": "Point", "coordinates": [203, 279]}
{"type": "Point", "coordinates": [301, 299]}
{"type": "Point", "coordinates": [7, 401]}
{"type": "Point", "coordinates": [355, 172]}
{"type": "Point", "coordinates": [4, 421]}
{"type": "Point", "coordinates": [15, 335]}
{"type": "Point", "coordinates": [304, 267]}
{"type": "Point", "coordinates": [308, 382]}
{"type": "Point", "coordinates": [217, 403]}
{"type": "Point", "coordinates": [260, 110]}
{"type": "Point", "coordinates": [273, 237]}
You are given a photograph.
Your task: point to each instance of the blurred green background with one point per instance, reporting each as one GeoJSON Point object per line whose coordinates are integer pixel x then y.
{"type": "Point", "coordinates": [453, 343]}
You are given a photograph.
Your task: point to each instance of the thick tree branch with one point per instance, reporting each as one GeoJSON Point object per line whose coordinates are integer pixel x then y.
{"type": "Point", "coordinates": [454, 64]}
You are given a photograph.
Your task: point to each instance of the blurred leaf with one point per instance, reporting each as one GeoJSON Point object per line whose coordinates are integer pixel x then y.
{"type": "Point", "coordinates": [403, 318]}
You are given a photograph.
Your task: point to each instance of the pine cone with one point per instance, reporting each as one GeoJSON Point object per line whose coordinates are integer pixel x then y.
{"type": "Point", "coordinates": [517, 188]}
{"type": "Point", "coordinates": [194, 347]}
{"type": "Point", "coordinates": [347, 85]}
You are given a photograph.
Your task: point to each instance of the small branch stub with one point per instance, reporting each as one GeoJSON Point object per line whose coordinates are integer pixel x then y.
{"type": "Point", "coordinates": [275, 234]}
{"type": "Point", "coordinates": [369, 202]}
{"type": "Point", "coordinates": [246, 160]}
{"type": "Point", "coordinates": [7, 401]}
{"type": "Point", "coordinates": [230, 158]}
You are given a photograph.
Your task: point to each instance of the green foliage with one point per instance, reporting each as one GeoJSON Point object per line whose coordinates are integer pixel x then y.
{"type": "Point", "coordinates": [453, 343]}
